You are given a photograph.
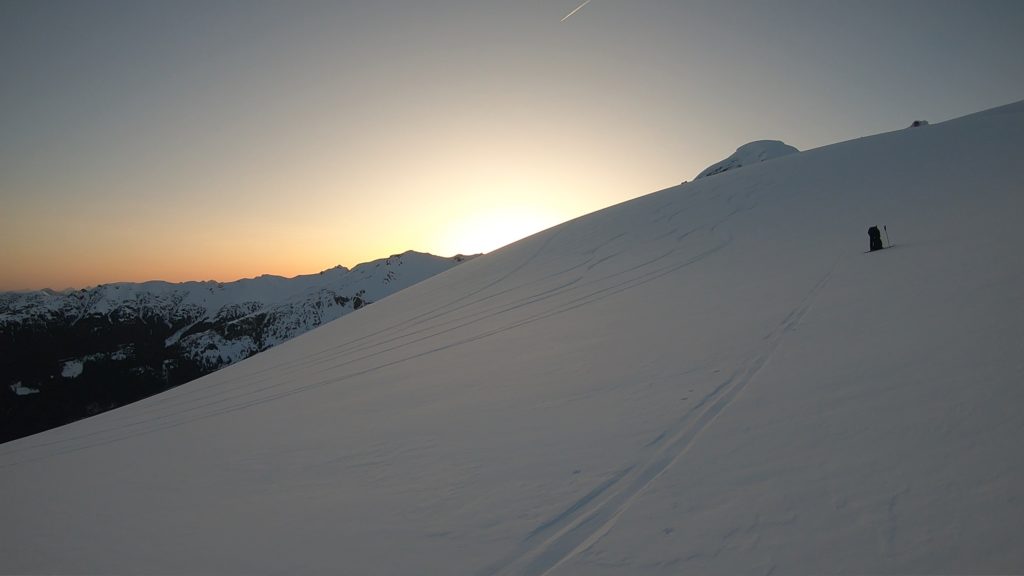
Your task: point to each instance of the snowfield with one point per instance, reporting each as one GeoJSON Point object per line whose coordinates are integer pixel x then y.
{"type": "Point", "coordinates": [710, 379]}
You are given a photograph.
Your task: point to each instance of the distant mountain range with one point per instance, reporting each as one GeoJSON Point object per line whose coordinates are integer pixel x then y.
{"type": "Point", "coordinates": [71, 354]}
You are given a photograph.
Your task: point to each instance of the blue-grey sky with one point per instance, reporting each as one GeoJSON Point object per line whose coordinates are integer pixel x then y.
{"type": "Point", "coordinates": [219, 139]}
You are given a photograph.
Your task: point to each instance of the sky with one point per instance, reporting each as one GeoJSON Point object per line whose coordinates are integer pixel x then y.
{"type": "Point", "coordinates": [215, 140]}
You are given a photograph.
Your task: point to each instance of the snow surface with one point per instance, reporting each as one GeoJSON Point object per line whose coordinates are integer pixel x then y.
{"type": "Point", "coordinates": [22, 390]}
{"type": "Point", "coordinates": [750, 153]}
{"type": "Point", "coordinates": [72, 368]}
{"type": "Point", "coordinates": [711, 379]}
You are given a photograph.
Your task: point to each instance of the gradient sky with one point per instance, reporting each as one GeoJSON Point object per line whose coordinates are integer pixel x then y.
{"type": "Point", "coordinates": [192, 140]}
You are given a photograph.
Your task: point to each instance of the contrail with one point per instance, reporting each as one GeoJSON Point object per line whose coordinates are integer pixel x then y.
{"type": "Point", "coordinates": [585, 2]}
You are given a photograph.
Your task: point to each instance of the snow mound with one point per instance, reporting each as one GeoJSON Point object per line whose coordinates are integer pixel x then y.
{"type": "Point", "coordinates": [750, 153]}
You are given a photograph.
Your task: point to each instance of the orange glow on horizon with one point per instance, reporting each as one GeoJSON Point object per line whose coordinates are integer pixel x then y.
{"type": "Point", "coordinates": [229, 253]}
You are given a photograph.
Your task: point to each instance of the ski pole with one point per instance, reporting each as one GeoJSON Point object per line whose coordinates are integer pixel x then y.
{"type": "Point", "coordinates": [887, 242]}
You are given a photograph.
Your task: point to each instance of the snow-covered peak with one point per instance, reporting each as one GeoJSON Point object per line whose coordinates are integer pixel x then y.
{"type": "Point", "coordinates": [206, 298]}
{"type": "Point", "coordinates": [750, 153]}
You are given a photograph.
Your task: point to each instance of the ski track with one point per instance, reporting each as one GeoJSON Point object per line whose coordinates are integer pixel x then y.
{"type": "Point", "coordinates": [583, 524]}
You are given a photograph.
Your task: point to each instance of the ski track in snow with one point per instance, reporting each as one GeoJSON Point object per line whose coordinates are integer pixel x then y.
{"type": "Point", "coordinates": [585, 522]}
{"type": "Point", "coordinates": [251, 389]}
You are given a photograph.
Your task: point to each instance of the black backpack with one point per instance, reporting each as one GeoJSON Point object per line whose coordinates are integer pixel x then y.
{"type": "Point", "coordinates": [875, 236]}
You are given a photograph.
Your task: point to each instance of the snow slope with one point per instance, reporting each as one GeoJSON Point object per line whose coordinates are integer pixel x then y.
{"type": "Point", "coordinates": [711, 379]}
{"type": "Point", "coordinates": [749, 153]}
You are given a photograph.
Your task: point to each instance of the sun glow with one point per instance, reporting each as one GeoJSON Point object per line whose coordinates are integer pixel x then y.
{"type": "Point", "coordinates": [488, 230]}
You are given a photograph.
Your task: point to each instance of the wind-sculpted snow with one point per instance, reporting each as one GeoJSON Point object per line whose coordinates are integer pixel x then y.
{"type": "Point", "coordinates": [714, 378]}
